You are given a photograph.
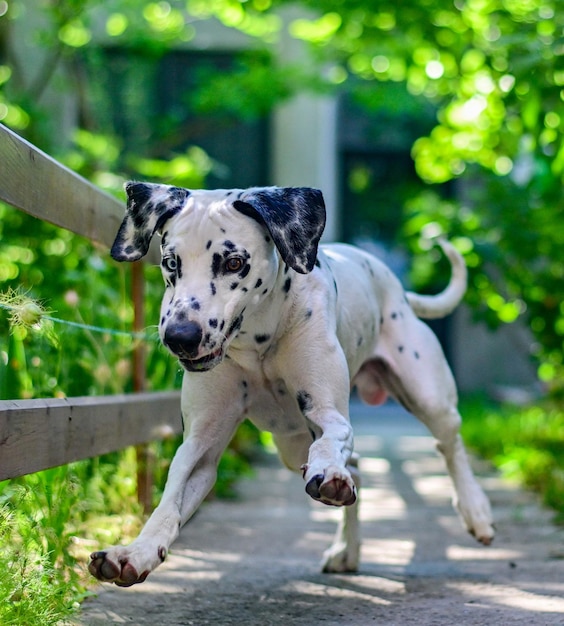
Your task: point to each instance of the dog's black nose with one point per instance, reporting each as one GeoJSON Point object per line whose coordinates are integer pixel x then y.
{"type": "Point", "coordinates": [183, 338]}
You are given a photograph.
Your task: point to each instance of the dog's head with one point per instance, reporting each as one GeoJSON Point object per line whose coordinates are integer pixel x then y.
{"type": "Point", "coordinates": [221, 251]}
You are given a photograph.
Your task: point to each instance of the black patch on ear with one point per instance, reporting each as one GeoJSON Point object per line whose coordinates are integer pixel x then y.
{"type": "Point", "coordinates": [294, 217]}
{"type": "Point", "coordinates": [149, 206]}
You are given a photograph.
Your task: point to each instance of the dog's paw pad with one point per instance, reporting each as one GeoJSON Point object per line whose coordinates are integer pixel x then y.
{"type": "Point", "coordinates": [338, 490]}
{"type": "Point", "coordinates": [129, 576]}
{"type": "Point", "coordinates": [312, 487]}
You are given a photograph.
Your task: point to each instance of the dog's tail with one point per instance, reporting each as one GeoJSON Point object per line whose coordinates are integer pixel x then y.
{"type": "Point", "coordinates": [431, 307]}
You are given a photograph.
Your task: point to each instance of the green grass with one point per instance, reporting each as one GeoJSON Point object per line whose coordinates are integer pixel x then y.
{"type": "Point", "coordinates": [525, 443]}
{"type": "Point", "coordinates": [51, 521]}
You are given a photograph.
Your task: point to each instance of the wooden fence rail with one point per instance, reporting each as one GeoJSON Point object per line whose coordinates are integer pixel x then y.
{"type": "Point", "coordinates": [38, 434]}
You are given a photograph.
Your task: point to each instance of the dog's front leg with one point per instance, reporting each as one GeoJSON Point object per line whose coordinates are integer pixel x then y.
{"type": "Point", "coordinates": [323, 401]}
{"type": "Point", "coordinates": [191, 476]}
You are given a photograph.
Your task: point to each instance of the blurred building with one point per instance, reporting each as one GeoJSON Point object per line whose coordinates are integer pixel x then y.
{"type": "Point", "coordinates": [359, 158]}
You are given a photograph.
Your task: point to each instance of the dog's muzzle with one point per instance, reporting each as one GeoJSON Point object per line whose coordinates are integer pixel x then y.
{"type": "Point", "coordinates": [183, 339]}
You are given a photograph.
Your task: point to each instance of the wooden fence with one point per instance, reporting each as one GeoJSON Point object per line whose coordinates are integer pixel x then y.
{"type": "Point", "coordinates": [39, 434]}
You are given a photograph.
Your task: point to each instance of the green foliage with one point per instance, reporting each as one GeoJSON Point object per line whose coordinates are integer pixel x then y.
{"type": "Point", "coordinates": [525, 443]}
{"type": "Point", "coordinates": [49, 522]}
{"type": "Point", "coordinates": [35, 589]}
{"type": "Point", "coordinates": [494, 71]}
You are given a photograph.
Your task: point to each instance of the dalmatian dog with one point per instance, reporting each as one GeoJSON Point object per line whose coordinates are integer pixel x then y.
{"type": "Point", "coordinates": [270, 326]}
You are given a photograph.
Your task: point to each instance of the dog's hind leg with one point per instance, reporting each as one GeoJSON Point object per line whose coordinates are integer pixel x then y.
{"type": "Point", "coordinates": [418, 376]}
{"type": "Point", "coordinates": [344, 553]}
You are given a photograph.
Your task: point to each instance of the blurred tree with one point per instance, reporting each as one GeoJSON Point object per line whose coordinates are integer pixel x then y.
{"type": "Point", "coordinates": [494, 69]}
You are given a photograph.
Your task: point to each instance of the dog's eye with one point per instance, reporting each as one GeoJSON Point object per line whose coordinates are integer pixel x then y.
{"type": "Point", "coordinates": [234, 264]}
{"type": "Point", "coordinates": [170, 263]}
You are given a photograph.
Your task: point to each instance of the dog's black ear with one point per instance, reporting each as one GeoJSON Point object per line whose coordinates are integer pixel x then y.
{"type": "Point", "coordinates": [294, 217]}
{"type": "Point", "coordinates": [149, 206]}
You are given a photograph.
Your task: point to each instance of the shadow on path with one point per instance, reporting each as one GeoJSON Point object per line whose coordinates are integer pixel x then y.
{"type": "Point", "coordinates": [256, 561]}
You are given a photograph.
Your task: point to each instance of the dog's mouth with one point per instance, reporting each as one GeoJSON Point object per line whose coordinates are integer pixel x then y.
{"type": "Point", "coordinates": [203, 364]}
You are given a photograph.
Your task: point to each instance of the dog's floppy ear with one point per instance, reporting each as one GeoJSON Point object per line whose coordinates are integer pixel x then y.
{"type": "Point", "coordinates": [149, 206]}
{"type": "Point", "coordinates": [294, 217]}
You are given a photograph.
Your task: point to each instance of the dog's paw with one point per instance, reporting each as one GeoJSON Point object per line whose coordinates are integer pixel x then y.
{"type": "Point", "coordinates": [333, 486]}
{"type": "Point", "coordinates": [124, 566]}
{"type": "Point", "coordinates": [340, 558]}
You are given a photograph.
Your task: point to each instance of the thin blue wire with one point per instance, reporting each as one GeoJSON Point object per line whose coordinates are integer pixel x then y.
{"type": "Point", "coordinates": [97, 329]}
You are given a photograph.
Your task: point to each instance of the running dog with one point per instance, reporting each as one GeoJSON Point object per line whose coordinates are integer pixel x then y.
{"type": "Point", "coordinates": [270, 326]}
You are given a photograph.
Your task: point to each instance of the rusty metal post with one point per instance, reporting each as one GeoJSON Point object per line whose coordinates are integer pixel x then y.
{"type": "Point", "coordinates": [144, 459]}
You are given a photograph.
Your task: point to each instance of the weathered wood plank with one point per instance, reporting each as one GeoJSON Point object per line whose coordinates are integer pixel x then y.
{"type": "Point", "coordinates": [37, 184]}
{"type": "Point", "coordinates": [39, 434]}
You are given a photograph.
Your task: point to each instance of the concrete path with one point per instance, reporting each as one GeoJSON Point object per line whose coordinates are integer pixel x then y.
{"type": "Point", "coordinates": [255, 561]}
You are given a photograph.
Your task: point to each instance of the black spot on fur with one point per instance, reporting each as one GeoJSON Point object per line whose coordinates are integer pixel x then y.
{"type": "Point", "coordinates": [308, 314]}
{"type": "Point", "coordinates": [233, 286]}
{"type": "Point", "coordinates": [400, 348]}
{"type": "Point", "coordinates": [258, 283]}
{"type": "Point", "coordinates": [235, 325]}
{"type": "Point", "coordinates": [208, 245]}
{"type": "Point", "coordinates": [394, 316]}
{"type": "Point", "coordinates": [216, 264]}
{"type": "Point", "coordinates": [262, 338]}
{"type": "Point", "coordinates": [213, 289]}
{"type": "Point", "coordinates": [243, 273]}
{"type": "Point", "coordinates": [416, 355]}
{"type": "Point", "coordinates": [317, 263]}
{"type": "Point", "coordinates": [213, 322]}
{"type": "Point", "coordinates": [194, 304]}
{"type": "Point", "coordinates": [222, 325]}
{"type": "Point", "coordinates": [287, 285]}
{"type": "Point", "coordinates": [229, 245]}
{"type": "Point", "coordinates": [304, 401]}
{"type": "Point", "coordinates": [359, 342]}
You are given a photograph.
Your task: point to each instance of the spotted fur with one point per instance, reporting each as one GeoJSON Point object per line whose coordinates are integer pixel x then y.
{"type": "Point", "coordinates": [270, 326]}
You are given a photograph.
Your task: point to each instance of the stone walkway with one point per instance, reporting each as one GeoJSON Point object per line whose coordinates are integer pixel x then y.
{"type": "Point", "coordinates": [255, 561]}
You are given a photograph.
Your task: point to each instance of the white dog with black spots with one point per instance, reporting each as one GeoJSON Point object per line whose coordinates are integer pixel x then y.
{"type": "Point", "coordinates": [270, 326]}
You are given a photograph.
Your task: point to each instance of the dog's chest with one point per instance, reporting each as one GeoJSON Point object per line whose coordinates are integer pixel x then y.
{"type": "Point", "coordinates": [272, 407]}
{"type": "Point", "coordinates": [268, 401]}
